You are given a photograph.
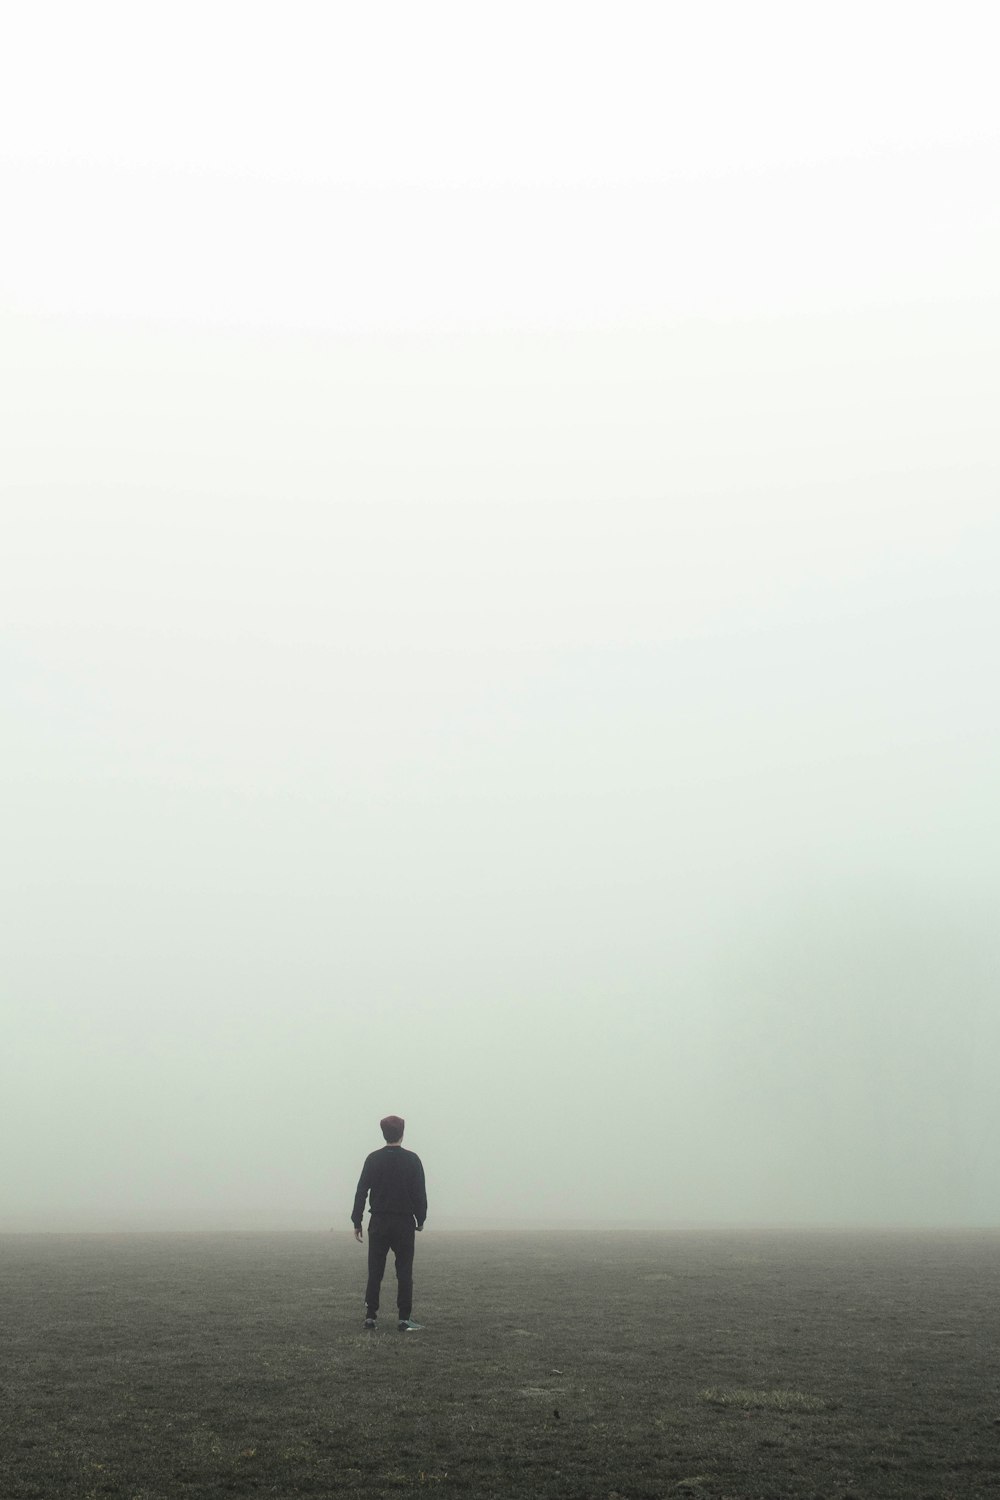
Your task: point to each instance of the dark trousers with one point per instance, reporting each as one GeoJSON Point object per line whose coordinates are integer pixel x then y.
{"type": "Point", "coordinates": [387, 1232]}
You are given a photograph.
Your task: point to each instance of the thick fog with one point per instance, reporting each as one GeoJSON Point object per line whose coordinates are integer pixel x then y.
{"type": "Point", "coordinates": [499, 582]}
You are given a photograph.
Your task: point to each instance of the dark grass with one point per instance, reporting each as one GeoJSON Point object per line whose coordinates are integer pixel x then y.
{"type": "Point", "coordinates": [552, 1365]}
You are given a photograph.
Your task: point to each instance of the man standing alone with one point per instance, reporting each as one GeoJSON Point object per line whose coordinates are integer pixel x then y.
{"type": "Point", "coordinates": [395, 1179]}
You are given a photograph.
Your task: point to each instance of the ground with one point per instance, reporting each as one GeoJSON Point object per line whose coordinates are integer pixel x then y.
{"type": "Point", "coordinates": [578, 1367]}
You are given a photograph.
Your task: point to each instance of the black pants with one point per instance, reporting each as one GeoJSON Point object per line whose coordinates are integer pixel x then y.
{"type": "Point", "coordinates": [387, 1232]}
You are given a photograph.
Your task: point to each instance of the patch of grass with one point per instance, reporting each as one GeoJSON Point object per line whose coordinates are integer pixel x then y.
{"type": "Point", "coordinates": [657, 1366]}
{"type": "Point", "coordinates": [747, 1399]}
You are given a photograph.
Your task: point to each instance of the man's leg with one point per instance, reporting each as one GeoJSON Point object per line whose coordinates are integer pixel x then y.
{"type": "Point", "coordinates": [378, 1249]}
{"type": "Point", "coordinates": [403, 1242]}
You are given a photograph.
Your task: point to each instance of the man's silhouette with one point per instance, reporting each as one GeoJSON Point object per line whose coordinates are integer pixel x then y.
{"type": "Point", "coordinates": [395, 1179]}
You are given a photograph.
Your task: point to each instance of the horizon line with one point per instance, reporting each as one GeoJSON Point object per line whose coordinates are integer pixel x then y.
{"type": "Point", "coordinates": [521, 1227]}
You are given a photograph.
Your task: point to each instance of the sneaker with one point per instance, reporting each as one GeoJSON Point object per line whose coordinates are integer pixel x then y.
{"type": "Point", "coordinates": [407, 1325]}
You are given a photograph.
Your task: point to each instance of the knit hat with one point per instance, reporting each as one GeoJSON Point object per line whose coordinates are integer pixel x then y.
{"type": "Point", "coordinates": [392, 1127]}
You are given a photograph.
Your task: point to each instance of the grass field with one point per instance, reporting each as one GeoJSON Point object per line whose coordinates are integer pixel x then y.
{"type": "Point", "coordinates": [551, 1365]}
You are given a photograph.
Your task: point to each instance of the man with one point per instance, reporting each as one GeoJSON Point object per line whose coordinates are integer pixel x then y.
{"type": "Point", "coordinates": [395, 1179]}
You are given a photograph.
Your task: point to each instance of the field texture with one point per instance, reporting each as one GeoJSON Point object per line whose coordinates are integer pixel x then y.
{"type": "Point", "coordinates": [551, 1365]}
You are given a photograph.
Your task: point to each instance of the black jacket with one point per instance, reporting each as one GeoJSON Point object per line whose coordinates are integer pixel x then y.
{"type": "Point", "coordinates": [395, 1179]}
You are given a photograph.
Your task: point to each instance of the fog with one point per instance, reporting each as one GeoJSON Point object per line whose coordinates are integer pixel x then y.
{"type": "Point", "coordinates": [499, 614]}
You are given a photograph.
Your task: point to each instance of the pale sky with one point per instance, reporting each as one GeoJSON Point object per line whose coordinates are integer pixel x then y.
{"type": "Point", "coordinates": [500, 541]}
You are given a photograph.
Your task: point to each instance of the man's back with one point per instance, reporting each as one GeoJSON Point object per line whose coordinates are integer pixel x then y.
{"type": "Point", "coordinates": [395, 1179]}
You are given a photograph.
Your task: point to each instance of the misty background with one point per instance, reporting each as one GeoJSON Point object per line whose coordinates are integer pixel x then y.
{"type": "Point", "coordinates": [499, 593]}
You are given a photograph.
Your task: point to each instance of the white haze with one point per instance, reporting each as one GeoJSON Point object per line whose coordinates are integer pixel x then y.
{"type": "Point", "coordinates": [499, 582]}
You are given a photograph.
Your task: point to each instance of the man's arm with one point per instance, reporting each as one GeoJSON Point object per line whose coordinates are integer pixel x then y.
{"type": "Point", "coordinates": [419, 1194]}
{"type": "Point", "coordinates": [357, 1213]}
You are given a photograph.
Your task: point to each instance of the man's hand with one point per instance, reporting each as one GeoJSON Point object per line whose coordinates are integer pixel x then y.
{"type": "Point", "coordinates": [418, 1228]}
{"type": "Point", "coordinates": [359, 1235]}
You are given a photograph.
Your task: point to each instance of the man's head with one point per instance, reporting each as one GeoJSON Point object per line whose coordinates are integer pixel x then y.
{"type": "Point", "coordinates": [392, 1129]}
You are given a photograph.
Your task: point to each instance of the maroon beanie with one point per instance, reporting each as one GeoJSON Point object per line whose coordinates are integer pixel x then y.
{"type": "Point", "coordinates": [392, 1127]}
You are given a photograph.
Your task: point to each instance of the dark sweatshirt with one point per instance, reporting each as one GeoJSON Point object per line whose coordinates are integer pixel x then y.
{"type": "Point", "coordinates": [395, 1179]}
